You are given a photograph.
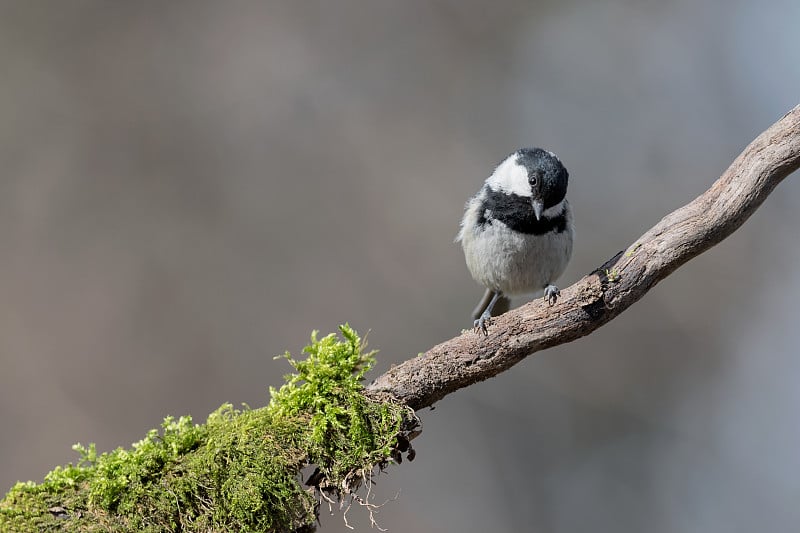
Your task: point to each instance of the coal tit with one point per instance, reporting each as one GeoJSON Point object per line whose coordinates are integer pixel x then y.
{"type": "Point", "coordinates": [517, 231]}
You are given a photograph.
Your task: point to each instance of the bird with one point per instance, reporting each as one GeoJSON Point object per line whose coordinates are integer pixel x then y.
{"type": "Point", "coordinates": [517, 231]}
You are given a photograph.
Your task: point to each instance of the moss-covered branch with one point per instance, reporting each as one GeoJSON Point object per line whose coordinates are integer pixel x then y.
{"type": "Point", "coordinates": [238, 471]}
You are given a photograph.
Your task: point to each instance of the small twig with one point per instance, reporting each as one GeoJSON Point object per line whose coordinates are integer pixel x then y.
{"type": "Point", "coordinates": [328, 499]}
{"type": "Point", "coordinates": [344, 514]}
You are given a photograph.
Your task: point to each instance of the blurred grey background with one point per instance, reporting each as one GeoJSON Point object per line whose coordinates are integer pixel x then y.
{"type": "Point", "coordinates": [189, 188]}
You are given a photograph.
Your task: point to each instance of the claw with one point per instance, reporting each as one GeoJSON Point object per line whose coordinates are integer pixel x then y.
{"type": "Point", "coordinates": [551, 294]}
{"type": "Point", "coordinates": [481, 325]}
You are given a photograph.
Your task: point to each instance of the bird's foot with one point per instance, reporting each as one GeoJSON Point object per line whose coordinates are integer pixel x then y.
{"type": "Point", "coordinates": [551, 294]}
{"type": "Point", "coordinates": [482, 323]}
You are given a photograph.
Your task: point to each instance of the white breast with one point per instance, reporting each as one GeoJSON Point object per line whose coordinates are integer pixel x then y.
{"type": "Point", "coordinates": [511, 262]}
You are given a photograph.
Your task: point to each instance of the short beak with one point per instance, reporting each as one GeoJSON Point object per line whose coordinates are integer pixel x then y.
{"type": "Point", "coordinates": [538, 207]}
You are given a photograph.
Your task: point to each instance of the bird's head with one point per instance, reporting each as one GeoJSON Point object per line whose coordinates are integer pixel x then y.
{"type": "Point", "coordinates": [532, 173]}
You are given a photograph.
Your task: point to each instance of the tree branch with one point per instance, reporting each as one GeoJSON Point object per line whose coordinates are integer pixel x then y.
{"type": "Point", "coordinates": [605, 293]}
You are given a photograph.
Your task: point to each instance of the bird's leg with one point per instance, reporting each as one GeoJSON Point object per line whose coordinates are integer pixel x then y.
{"type": "Point", "coordinates": [485, 319]}
{"type": "Point", "coordinates": [502, 305]}
{"type": "Point", "coordinates": [551, 293]}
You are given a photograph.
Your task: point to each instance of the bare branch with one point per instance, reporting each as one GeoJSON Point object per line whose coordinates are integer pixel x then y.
{"type": "Point", "coordinates": [613, 287]}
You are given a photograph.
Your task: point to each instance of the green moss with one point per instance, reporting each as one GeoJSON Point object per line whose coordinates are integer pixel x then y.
{"type": "Point", "coordinates": [239, 471]}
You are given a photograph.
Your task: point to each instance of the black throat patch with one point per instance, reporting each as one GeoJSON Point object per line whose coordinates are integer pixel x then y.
{"type": "Point", "coordinates": [516, 212]}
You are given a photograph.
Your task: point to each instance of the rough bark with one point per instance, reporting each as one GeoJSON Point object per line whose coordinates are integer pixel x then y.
{"type": "Point", "coordinates": [613, 287]}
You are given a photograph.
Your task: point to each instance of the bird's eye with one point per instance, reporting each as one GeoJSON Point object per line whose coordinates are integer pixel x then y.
{"type": "Point", "coordinates": [533, 180]}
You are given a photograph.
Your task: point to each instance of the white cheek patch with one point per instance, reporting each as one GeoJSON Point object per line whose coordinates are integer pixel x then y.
{"type": "Point", "coordinates": [509, 177]}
